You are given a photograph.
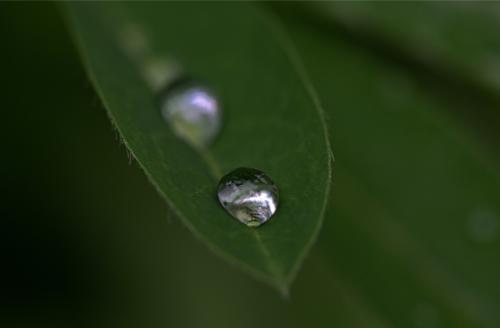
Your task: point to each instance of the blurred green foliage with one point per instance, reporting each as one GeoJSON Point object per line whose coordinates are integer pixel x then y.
{"type": "Point", "coordinates": [410, 237]}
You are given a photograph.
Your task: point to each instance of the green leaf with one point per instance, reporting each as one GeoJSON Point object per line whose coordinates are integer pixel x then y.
{"type": "Point", "coordinates": [272, 120]}
{"type": "Point", "coordinates": [414, 219]}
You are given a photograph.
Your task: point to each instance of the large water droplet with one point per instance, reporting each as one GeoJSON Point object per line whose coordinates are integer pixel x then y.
{"type": "Point", "coordinates": [249, 195]}
{"type": "Point", "coordinates": [193, 112]}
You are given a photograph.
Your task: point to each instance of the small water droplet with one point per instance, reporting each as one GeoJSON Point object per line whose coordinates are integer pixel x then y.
{"type": "Point", "coordinates": [249, 195]}
{"type": "Point", "coordinates": [193, 112]}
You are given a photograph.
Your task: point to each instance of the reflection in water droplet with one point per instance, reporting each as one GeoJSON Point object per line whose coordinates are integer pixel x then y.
{"type": "Point", "coordinates": [193, 112]}
{"type": "Point", "coordinates": [249, 195]}
{"type": "Point", "coordinates": [482, 225]}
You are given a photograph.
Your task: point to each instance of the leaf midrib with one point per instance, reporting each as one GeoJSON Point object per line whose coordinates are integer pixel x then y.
{"type": "Point", "coordinates": [284, 42]}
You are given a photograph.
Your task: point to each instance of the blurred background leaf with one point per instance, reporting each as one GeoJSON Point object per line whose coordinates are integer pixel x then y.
{"type": "Point", "coordinates": [458, 39]}
{"type": "Point", "coordinates": [410, 238]}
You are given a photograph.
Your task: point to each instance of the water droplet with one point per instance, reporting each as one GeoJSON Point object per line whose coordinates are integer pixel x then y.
{"type": "Point", "coordinates": [193, 112]}
{"type": "Point", "coordinates": [249, 195]}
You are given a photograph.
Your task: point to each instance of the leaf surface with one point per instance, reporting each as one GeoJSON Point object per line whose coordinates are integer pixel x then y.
{"type": "Point", "coordinates": [272, 122]}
